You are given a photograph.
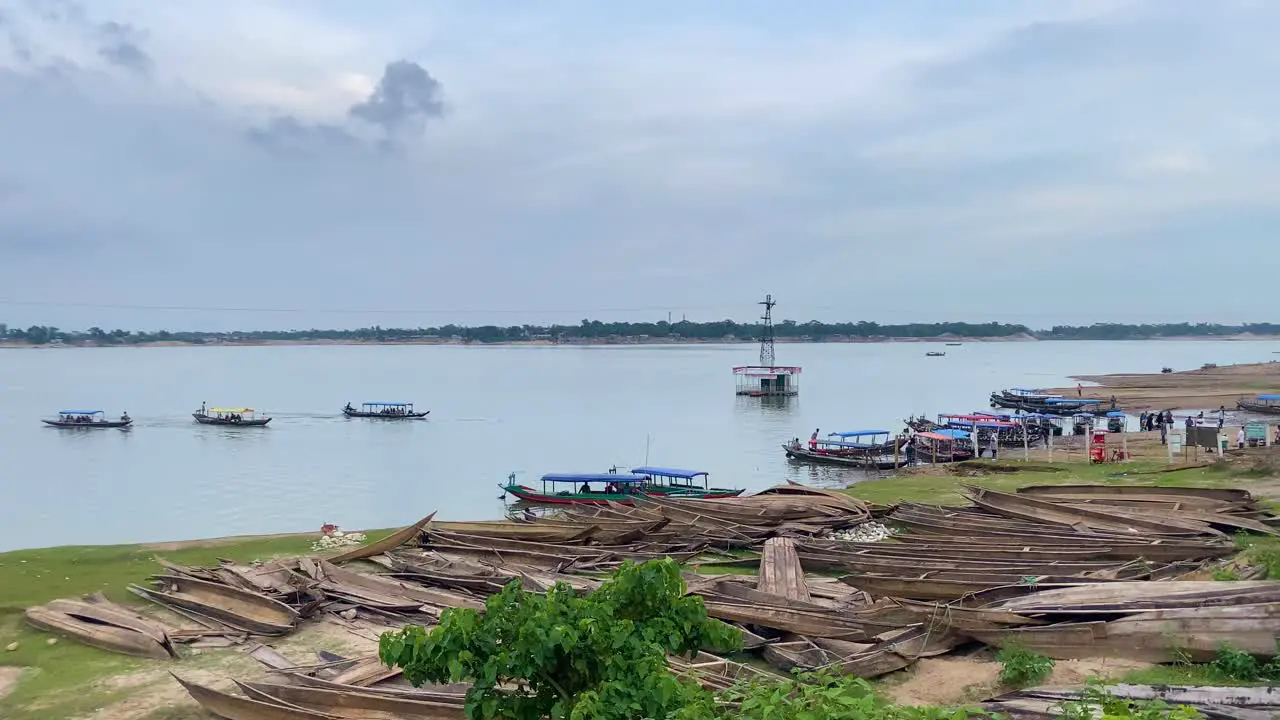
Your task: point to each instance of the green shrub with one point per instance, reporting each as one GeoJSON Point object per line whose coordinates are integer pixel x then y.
{"type": "Point", "coordinates": [1020, 667]}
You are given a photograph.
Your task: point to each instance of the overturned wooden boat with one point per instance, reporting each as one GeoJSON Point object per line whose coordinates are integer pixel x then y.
{"type": "Point", "coordinates": [234, 707]}
{"type": "Point", "coordinates": [390, 542]}
{"type": "Point", "coordinates": [354, 704]}
{"type": "Point", "coordinates": [236, 608]}
{"type": "Point", "coordinates": [96, 632]}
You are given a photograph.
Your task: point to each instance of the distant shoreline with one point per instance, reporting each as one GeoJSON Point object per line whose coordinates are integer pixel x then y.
{"type": "Point", "coordinates": [23, 345]}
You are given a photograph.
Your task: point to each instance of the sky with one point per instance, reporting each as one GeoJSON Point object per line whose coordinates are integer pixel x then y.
{"type": "Point", "coordinates": [277, 164]}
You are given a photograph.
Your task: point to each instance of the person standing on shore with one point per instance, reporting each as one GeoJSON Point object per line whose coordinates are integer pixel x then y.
{"type": "Point", "coordinates": [1222, 416]}
{"type": "Point", "coordinates": [1164, 433]}
{"type": "Point", "coordinates": [1142, 421]}
{"type": "Point", "coordinates": [1079, 390]}
{"type": "Point", "coordinates": [1240, 438]}
{"type": "Point", "coordinates": [993, 444]}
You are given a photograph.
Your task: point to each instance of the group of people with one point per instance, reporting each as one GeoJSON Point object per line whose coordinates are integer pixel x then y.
{"type": "Point", "coordinates": [609, 489]}
{"type": "Point", "coordinates": [389, 410]}
{"type": "Point", "coordinates": [89, 419]}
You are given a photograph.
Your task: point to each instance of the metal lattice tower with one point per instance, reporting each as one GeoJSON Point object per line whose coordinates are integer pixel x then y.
{"type": "Point", "coordinates": [766, 333]}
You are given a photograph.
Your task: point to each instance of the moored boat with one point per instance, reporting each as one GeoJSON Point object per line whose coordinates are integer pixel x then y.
{"type": "Point", "coordinates": [581, 489]}
{"type": "Point", "coordinates": [1265, 404]}
{"type": "Point", "coordinates": [235, 417]}
{"type": "Point", "coordinates": [384, 411]}
{"type": "Point", "coordinates": [87, 419]}
{"type": "Point", "coordinates": [682, 483]}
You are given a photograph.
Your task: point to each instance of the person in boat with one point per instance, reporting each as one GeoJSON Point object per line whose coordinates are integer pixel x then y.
{"type": "Point", "coordinates": [348, 408]}
{"type": "Point", "coordinates": [124, 417]}
{"type": "Point", "coordinates": [611, 489]}
{"type": "Point", "coordinates": [813, 440]}
{"type": "Point", "coordinates": [585, 489]}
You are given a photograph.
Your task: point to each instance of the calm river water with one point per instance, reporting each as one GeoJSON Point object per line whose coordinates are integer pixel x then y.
{"type": "Point", "coordinates": [494, 410]}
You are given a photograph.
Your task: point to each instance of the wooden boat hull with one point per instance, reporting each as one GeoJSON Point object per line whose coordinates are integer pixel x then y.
{"type": "Point", "coordinates": [857, 461]}
{"type": "Point", "coordinates": [357, 704]}
{"type": "Point", "coordinates": [104, 425]}
{"type": "Point", "coordinates": [112, 638]}
{"type": "Point", "coordinates": [679, 492]}
{"type": "Point", "coordinates": [1257, 407]}
{"type": "Point", "coordinates": [210, 420]}
{"type": "Point", "coordinates": [380, 416]}
{"type": "Point", "coordinates": [234, 707]}
{"type": "Point", "coordinates": [240, 609]}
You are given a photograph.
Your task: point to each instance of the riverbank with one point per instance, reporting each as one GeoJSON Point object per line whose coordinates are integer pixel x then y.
{"type": "Point", "coordinates": [621, 340]}
{"type": "Point", "coordinates": [1203, 389]}
{"type": "Point", "coordinates": [69, 680]}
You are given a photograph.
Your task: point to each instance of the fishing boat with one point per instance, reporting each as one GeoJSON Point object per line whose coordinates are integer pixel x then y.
{"type": "Point", "coordinates": [1266, 404]}
{"type": "Point", "coordinates": [235, 417]}
{"type": "Point", "coordinates": [579, 489]}
{"type": "Point", "coordinates": [954, 344]}
{"type": "Point", "coordinates": [384, 411]}
{"type": "Point", "coordinates": [681, 483]}
{"type": "Point", "coordinates": [87, 419]}
{"type": "Point", "coordinates": [935, 353]}
{"type": "Point", "coordinates": [868, 449]}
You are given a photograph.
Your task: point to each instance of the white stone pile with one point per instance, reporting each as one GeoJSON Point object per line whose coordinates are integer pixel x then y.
{"type": "Point", "coordinates": [337, 539]}
{"type": "Point", "coordinates": [866, 532]}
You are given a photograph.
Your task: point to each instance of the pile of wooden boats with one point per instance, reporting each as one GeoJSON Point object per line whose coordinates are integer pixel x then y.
{"type": "Point", "coordinates": [1070, 571]}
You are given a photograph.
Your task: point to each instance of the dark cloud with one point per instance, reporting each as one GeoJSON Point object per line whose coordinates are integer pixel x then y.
{"type": "Point", "coordinates": [121, 47]}
{"type": "Point", "coordinates": [405, 99]}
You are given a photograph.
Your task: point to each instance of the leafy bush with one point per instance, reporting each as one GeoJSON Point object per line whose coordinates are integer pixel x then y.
{"type": "Point", "coordinates": [1235, 665]}
{"type": "Point", "coordinates": [1020, 667]}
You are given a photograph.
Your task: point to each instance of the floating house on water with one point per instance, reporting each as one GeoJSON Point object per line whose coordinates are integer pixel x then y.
{"type": "Point", "coordinates": [767, 379]}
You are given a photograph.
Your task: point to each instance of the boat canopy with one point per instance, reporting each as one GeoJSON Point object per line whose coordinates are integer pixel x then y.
{"type": "Point", "coordinates": [80, 412]}
{"type": "Point", "coordinates": [385, 404]}
{"type": "Point", "coordinates": [1024, 390]}
{"type": "Point", "coordinates": [231, 410]}
{"type": "Point", "coordinates": [669, 472]}
{"type": "Point", "coordinates": [858, 433]}
{"type": "Point", "coordinates": [1115, 413]}
{"type": "Point", "coordinates": [1072, 401]}
{"type": "Point", "coordinates": [1269, 397]}
{"type": "Point", "coordinates": [988, 423]}
{"type": "Point", "coordinates": [943, 434]}
{"type": "Point", "coordinates": [592, 477]}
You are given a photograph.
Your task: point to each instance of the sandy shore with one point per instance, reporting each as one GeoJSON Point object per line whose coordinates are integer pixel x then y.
{"type": "Point", "coordinates": [1187, 390]}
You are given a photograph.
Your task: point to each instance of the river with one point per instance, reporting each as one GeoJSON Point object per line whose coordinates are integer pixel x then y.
{"type": "Point", "coordinates": [494, 410]}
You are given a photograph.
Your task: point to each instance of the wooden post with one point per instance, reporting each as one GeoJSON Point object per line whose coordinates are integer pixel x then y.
{"type": "Point", "coordinates": [1049, 442]}
{"type": "Point", "coordinates": [1026, 441]}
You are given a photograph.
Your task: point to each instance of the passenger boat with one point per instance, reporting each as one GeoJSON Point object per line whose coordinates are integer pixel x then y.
{"type": "Point", "coordinates": [384, 411]}
{"type": "Point", "coordinates": [799, 453]}
{"type": "Point", "coordinates": [1266, 404]}
{"type": "Point", "coordinates": [87, 419]}
{"type": "Point", "coordinates": [943, 446]}
{"type": "Point", "coordinates": [235, 417]}
{"type": "Point", "coordinates": [935, 353]}
{"type": "Point", "coordinates": [674, 482]}
{"type": "Point", "coordinates": [581, 489]}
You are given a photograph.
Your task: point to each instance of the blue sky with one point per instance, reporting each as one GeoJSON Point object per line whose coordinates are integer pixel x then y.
{"type": "Point", "coordinates": [278, 163]}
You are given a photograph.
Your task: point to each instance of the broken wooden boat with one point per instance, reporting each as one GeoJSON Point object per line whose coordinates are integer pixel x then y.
{"type": "Point", "coordinates": [96, 632]}
{"type": "Point", "coordinates": [353, 704]}
{"type": "Point", "coordinates": [235, 707]}
{"type": "Point", "coordinates": [240, 609]}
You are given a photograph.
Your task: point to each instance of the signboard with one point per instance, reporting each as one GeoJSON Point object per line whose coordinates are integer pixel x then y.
{"type": "Point", "coordinates": [1175, 443]}
{"type": "Point", "coordinates": [1256, 431]}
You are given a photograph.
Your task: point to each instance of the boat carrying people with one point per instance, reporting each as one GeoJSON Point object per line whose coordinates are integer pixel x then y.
{"type": "Point", "coordinates": [674, 482]}
{"type": "Point", "coordinates": [579, 489]}
{"type": "Point", "coordinates": [384, 411]}
{"type": "Point", "coordinates": [88, 419]}
{"type": "Point", "coordinates": [236, 417]}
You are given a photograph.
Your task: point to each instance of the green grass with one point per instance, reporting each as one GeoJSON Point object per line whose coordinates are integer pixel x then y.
{"type": "Point", "coordinates": [59, 680]}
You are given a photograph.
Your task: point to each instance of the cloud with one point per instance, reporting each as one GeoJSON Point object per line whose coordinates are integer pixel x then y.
{"type": "Point", "coordinates": [120, 46]}
{"type": "Point", "coordinates": [690, 157]}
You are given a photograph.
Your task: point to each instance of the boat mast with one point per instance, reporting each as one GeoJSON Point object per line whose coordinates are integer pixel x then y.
{"type": "Point", "coordinates": [766, 333]}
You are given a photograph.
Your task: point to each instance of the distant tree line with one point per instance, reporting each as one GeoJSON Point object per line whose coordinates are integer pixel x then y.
{"type": "Point", "coordinates": [595, 330]}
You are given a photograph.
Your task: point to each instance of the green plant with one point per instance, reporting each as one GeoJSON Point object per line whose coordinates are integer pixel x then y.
{"type": "Point", "coordinates": [822, 695]}
{"type": "Point", "coordinates": [1095, 697]}
{"type": "Point", "coordinates": [601, 656]}
{"type": "Point", "coordinates": [1225, 574]}
{"type": "Point", "coordinates": [1020, 667]}
{"type": "Point", "coordinates": [1236, 665]}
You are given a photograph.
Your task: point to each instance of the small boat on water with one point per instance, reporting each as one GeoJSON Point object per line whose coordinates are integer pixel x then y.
{"type": "Point", "coordinates": [935, 353]}
{"type": "Point", "coordinates": [1265, 404]}
{"type": "Point", "coordinates": [87, 419]}
{"type": "Point", "coordinates": [579, 489]}
{"type": "Point", "coordinates": [954, 344]}
{"type": "Point", "coordinates": [674, 482]}
{"type": "Point", "coordinates": [234, 417]}
{"type": "Point", "coordinates": [384, 411]}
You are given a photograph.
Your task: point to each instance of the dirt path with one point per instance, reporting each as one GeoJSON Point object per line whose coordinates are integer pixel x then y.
{"type": "Point", "coordinates": [1203, 389]}
{"type": "Point", "coordinates": [955, 680]}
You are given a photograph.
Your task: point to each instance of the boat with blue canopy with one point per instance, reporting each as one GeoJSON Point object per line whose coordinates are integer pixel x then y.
{"type": "Point", "coordinates": [384, 411]}
{"type": "Point", "coordinates": [681, 483]}
{"type": "Point", "coordinates": [1265, 404]}
{"type": "Point", "coordinates": [579, 489]}
{"type": "Point", "coordinates": [943, 445]}
{"type": "Point", "coordinates": [870, 449]}
{"type": "Point", "coordinates": [87, 420]}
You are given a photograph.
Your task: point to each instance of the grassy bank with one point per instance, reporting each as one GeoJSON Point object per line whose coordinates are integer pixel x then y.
{"type": "Point", "coordinates": [60, 680]}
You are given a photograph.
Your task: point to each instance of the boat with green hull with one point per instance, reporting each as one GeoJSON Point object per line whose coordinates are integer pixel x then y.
{"type": "Point", "coordinates": [675, 482]}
